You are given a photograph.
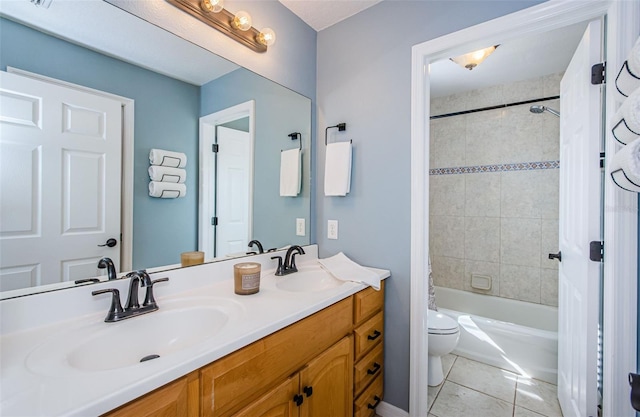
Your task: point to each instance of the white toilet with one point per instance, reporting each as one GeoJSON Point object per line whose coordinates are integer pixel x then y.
{"type": "Point", "coordinates": [443, 338]}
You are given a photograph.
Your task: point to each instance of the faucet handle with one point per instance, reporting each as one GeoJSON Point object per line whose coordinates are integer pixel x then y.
{"type": "Point", "coordinates": [149, 300]}
{"type": "Point", "coordinates": [279, 270]}
{"type": "Point", "coordinates": [115, 311]}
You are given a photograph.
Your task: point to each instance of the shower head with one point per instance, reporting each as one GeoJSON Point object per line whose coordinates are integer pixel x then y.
{"type": "Point", "coordinates": [541, 109]}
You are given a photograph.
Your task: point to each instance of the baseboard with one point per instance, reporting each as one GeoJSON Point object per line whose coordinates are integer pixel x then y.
{"type": "Point", "coordinates": [387, 410]}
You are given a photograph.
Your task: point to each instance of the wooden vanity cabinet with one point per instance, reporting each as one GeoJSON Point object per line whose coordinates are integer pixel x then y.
{"type": "Point", "coordinates": [328, 364]}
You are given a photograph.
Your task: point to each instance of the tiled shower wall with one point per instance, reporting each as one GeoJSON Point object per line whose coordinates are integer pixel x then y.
{"type": "Point", "coordinates": [494, 191]}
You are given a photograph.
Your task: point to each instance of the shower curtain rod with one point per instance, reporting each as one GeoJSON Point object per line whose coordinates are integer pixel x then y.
{"type": "Point", "coordinates": [500, 106]}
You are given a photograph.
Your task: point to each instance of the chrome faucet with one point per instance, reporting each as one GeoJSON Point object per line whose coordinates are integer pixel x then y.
{"type": "Point", "coordinates": [132, 308]}
{"type": "Point", "coordinates": [289, 265]}
{"type": "Point", "coordinates": [111, 269]}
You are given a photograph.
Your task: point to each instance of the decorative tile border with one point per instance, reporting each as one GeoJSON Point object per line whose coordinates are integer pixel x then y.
{"type": "Point", "coordinates": [520, 166]}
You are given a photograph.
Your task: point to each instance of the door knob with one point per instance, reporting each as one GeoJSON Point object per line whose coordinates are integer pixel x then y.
{"type": "Point", "coordinates": [557, 256]}
{"type": "Point", "coordinates": [110, 243]}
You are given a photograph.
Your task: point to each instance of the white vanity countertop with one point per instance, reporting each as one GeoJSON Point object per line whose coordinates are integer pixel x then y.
{"type": "Point", "coordinates": [32, 383]}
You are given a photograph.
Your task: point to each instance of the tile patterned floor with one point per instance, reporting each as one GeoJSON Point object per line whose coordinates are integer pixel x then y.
{"type": "Point", "coordinates": [474, 389]}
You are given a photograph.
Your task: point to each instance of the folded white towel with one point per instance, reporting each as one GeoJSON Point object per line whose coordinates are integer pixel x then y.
{"type": "Point", "coordinates": [167, 189]}
{"type": "Point", "coordinates": [625, 167]}
{"type": "Point", "coordinates": [337, 169]}
{"type": "Point", "coordinates": [628, 78]}
{"type": "Point", "coordinates": [167, 158]}
{"type": "Point", "coordinates": [345, 269]}
{"type": "Point", "coordinates": [167, 174]}
{"type": "Point", "coordinates": [290, 172]}
{"type": "Point", "coordinates": [626, 121]}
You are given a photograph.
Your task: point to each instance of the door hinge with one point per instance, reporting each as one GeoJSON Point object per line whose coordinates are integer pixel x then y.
{"type": "Point", "coordinates": [596, 249]}
{"type": "Point", "coordinates": [601, 159]}
{"type": "Point", "coordinates": [214, 148]}
{"type": "Point", "coordinates": [214, 221]}
{"type": "Point", "coordinates": [598, 73]}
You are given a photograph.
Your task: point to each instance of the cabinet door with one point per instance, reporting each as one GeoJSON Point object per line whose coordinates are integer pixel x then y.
{"type": "Point", "coordinates": [327, 382]}
{"type": "Point", "coordinates": [278, 402]}
{"type": "Point", "coordinates": [180, 398]}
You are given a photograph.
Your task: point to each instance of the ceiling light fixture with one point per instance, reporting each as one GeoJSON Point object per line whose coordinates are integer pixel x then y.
{"type": "Point", "coordinates": [238, 26]}
{"type": "Point", "coordinates": [473, 59]}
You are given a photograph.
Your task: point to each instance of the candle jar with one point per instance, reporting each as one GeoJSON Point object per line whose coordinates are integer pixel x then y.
{"type": "Point", "coordinates": [246, 276]}
{"type": "Point", "coordinates": [191, 258]}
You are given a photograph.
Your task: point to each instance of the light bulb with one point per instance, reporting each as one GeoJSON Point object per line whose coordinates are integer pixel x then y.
{"type": "Point", "coordinates": [212, 6]}
{"type": "Point", "coordinates": [478, 55]}
{"type": "Point", "coordinates": [242, 21]}
{"type": "Point", "coordinates": [267, 37]}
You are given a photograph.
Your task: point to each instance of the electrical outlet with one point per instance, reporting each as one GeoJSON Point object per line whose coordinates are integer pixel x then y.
{"type": "Point", "coordinates": [332, 229]}
{"type": "Point", "coordinates": [300, 227]}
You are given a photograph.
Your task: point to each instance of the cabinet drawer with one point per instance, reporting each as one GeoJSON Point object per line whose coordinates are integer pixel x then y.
{"type": "Point", "coordinates": [233, 381]}
{"type": "Point", "coordinates": [369, 334]}
{"type": "Point", "coordinates": [368, 368]}
{"type": "Point", "coordinates": [367, 302]}
{"type": "Point", "coordinates": [365, 405]}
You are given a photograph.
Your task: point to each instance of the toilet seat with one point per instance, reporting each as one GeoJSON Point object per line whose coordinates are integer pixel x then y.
{"type": "Point", "coordinates": [439, 323]}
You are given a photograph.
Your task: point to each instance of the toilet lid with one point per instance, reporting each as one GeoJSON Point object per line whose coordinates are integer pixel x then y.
{"type": "Point", "coordinates": [441, 323]}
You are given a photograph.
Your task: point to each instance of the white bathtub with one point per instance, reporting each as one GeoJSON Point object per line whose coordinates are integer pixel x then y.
{"type": "Point", "coordinates": [515, 335]}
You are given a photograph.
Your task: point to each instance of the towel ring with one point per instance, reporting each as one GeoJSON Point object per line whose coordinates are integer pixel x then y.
{"type": "Point", "coordinates": [341, 128]}
{"type": "Point", "coordinates": [296, 135]}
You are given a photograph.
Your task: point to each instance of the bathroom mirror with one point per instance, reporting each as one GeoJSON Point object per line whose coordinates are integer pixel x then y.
{"type": "Point", "coordinates": [173, 83]}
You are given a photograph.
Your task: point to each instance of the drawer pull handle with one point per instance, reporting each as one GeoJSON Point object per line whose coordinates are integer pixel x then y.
{"type": "Point", "coordinates": [376, 368]}
{"type": "Point", "coordinates": [308, 391]}
{"type": "Point", "coordinates": [374, 336]}
{"type": "Point", "coordinates": [298, 399]}
{"type": "Point", "coordinates": [378, 399]}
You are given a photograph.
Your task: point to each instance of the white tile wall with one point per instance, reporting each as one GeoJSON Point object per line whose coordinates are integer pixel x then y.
{"type": "Point", "coordinates": [500, 224]}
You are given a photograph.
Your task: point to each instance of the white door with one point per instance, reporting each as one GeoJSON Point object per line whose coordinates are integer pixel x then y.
{"type": "Point", "coordinates": [233, 191]}
{"type": "Point", "coordinates": [580, 212]}
{"type": "Point", "coordinates": [60, 169]}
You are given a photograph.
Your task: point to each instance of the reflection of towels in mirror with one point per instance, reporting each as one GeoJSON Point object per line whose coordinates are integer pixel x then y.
{"type": "Point", "coordinates": [625, 167]}
{"type": "Point", "coordinates": [626, 121]}
{"type": "Point", "coordinates": [167, 174]}
{"type": "Point", "coordinates": [628, 78]}
{"type": "Point", "coordinates": [167, 189]}
{"type": "Point", "coordinates": [167, 158]}
{"type": "Point", "coordinates": [290, 172]}
{"type": "Point", "coordinates": [337, 170]}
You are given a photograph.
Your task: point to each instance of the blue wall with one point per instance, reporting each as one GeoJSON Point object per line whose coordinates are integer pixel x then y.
{"type": "Point", "coordinates": [364, 79]}
{"type": "Point", "coordinates": [278, 112]}
{"type": "Point", "coordinates": [166, 116]}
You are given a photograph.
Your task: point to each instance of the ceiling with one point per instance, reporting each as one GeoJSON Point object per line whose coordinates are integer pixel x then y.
{"type": "Point", "coordinates": [320, 14]}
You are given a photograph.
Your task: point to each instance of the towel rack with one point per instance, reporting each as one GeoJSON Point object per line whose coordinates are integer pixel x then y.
{"type": "Point", "coordinates": [296, 135]}
{"type": "Point", "coordinates": [341, 128]}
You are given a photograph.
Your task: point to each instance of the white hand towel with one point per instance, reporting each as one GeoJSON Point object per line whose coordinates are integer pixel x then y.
{"type": "Point", "coordinates": [625, 167]}
{"type": "Point", "coordinates": [167, 158]}
{"type": "Point", "coordinates": [626, 121]}
{"type": "Point", "coordinates": [167, 189]}
{"type": "Point", "coordinates": [337, 169]}
{"type": "Point", "coordinates": [167, 174]}
{"type": "Point", "coordinates": [628, 78]}
{"type": "Point", "coordinates": [345, 269]}
{"type": "Point", "coordinates": [290, 172]}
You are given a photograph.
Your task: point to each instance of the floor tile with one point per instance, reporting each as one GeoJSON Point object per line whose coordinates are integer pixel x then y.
{"type": "Point", "coordinates": [484, 378]}
{"type": "Point", "coordinates": [457, 401]}
{"type": "Point", "coordinates": [447, 363]}
{"type": "Point", "coordinates": [538, 396]}
{"type": "Point", "coordinates": [523, 412]}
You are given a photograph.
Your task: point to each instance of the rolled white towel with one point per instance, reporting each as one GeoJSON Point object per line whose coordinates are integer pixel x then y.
{"type": "Point", "coordinates": [628, 78]}
{"type": "Point", "coordinates": [167, 158]}
{"type": "Point", "coordinates": [167, 189]}
{"type": "Point", "coordinates": [167, 174]}
{"type": "Point", "coordinates": [625, 167]}
{"type": "Point", "coordinates": [626, 121]}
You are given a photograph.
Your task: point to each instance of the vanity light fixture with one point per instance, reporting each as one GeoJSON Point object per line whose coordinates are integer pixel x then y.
{"type": "Point", "coordinates": [238, 26]}
{"type": "Point", "coordinates": [475, 58]}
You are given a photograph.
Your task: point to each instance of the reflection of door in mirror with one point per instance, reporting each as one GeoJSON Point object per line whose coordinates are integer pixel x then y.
{"type": "Point", "coordinates": [60, 179]}
{"type": "Point", "coordinates": [226, 180]}
{"type": "Point", "coordinates": [232, 191]}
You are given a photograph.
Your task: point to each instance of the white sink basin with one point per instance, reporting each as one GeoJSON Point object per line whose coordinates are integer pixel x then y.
{"type": "Point", "coordinates": [97, 347]}
{"type": "Point", "coordinates": [309, 279]}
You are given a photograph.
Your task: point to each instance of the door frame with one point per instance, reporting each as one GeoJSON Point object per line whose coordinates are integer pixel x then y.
{"type": "Point", "coordinates": [621, 208]}
{"type": "Point", "coordinates": [206, 190]}
{"type": "Point", "coordinates": [126, 187]}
